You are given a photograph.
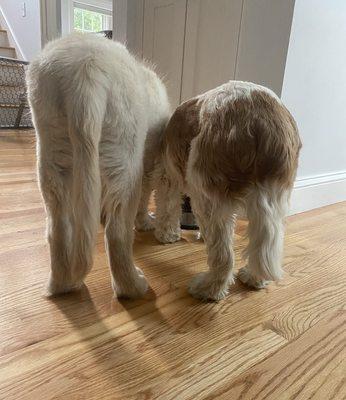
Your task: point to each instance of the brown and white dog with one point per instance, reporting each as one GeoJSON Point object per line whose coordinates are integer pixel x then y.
{"type": "Point", "coordinates": [232, 148]}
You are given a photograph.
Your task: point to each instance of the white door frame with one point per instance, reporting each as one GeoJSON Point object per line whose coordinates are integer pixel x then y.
{"type": "Point", "coordinates": [50, 20]}
{"type": "Point", "coordinates": [128, 24]}
{"type": "Point", "coordinates": [127, 21]}
{"type": "Point", "coordinates": [120, 20]}
{"type": "Point", "coordinates": [56, 15]}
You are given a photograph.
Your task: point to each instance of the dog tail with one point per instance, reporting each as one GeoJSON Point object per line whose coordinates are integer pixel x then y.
{"type": "Point", "coordinates": [85, 119]}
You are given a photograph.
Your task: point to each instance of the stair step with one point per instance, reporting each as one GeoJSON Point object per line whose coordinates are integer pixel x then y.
{"type": "Point", "coordinates": [2, 105]}
{"type": "Point", "coordinates": [3, 39]}
{"type": "Point", "coordinates": [6, 51]}
{"type": "Point", "coordinates": [14, 86]}
{"type": "Point", "coordinates": [10, 62]}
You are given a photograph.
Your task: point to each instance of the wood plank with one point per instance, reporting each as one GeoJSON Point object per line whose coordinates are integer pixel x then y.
{"type": "Point", "coordinates": [311, 367]}
{"type": "Point", "coordinates": [198, 367]}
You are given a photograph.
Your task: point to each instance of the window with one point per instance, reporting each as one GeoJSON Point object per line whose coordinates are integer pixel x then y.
{"type": "Point", "coordinates": [90, 18]}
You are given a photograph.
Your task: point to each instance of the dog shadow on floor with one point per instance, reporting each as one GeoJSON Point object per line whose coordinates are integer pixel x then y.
{"type": "Point", "coordinates": [120, 336]}
{"type": "Point", "coordinates": [116, 337]}
{"type": "Point", "coordinates": [113, 339]}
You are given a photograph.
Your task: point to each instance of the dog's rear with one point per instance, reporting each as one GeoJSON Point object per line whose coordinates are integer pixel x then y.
{"type": "Point", "coordinates": [246, 152]}
{"type": "Point", "coordinates": [68, 98]}
{"type": "Point", "coordinates": [235, 147]}
{"type": "Point", "coordinates": [89, 99]}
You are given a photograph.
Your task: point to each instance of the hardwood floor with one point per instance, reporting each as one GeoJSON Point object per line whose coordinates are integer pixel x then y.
{"type": "Point", "coordinates": [284, 342]}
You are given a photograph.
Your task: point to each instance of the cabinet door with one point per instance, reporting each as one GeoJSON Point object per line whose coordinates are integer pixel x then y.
{"type": "Point", "coordinates": [212, 30]}
{"type": "Point", "coordinates": [263, 42]}
{"type": "Point", "coordinates": [163, 41]}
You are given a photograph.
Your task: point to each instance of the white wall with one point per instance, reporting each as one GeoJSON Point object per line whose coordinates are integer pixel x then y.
{"type": "Point", "coordinates": [314, 90]}
{"type": "Point", "coordinates": [26, 30]}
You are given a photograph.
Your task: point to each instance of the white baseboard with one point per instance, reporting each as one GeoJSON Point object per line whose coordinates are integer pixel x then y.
{"type": "Point", "coordinates": [318, 191]}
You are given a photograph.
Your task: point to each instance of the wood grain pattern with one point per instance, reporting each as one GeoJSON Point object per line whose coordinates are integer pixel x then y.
{"type": "Point", "coordinates": [311, 367]}
{"type": "Point", "coordinates": [285, 342]}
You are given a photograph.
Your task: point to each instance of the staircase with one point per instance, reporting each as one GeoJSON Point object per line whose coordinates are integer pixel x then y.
{"type": "Point", "coordinates": [5, 49]}
{"type": "Point", "coordinates": [14, 109]}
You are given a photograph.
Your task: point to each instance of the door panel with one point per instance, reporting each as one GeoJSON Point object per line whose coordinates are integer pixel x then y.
{"type": "Point", "coordinates": [212, 30]}
{"type": "Point", "coordinates": [163, 41]}
{"type": "Point", "coordinates": [263, 43]}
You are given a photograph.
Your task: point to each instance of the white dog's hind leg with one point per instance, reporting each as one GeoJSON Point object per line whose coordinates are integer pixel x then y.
{"type": "Point", "coordinates": [217, 222]}
{"type": "Point", "coordinates": [55, 187]}
{"type": "Point", "coordinates": [168, 209]}
{"type": "Point", "coordinates": [168, 213]}
{"type": "Point", "coordinates": [144, 221]}
{"type": "Point", "coordinates": [127, 280]}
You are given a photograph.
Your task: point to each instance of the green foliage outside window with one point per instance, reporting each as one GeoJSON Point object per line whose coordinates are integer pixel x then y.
{"type": "Point", "coordinates": [87, 21]}
{"type": "Point", "coordinates": [78, 19]}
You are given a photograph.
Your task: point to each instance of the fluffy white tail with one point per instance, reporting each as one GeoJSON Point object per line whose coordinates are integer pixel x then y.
{"type": "Point", "coordinates": [85, 125]}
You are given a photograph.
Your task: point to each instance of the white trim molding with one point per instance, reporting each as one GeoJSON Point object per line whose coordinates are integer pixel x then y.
{"type": "Point", "coordinates": [318, 191]}
{"type": "Point", "coordinates": [50, 20]}
{"type": "Point", "coordinates": [120, 20]}
{"type": "Point", "coordinates": [128, 16]}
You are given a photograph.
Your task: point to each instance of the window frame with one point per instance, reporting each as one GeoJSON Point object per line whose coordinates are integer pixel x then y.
{"type": "Point", "coordinates": [89, 5]}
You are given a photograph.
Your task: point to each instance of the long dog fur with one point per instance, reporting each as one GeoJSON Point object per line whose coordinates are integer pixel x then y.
{"type": "Point", "coordinates": [232, 148]}
{"type": "Point", "coordinates": [93, 105]}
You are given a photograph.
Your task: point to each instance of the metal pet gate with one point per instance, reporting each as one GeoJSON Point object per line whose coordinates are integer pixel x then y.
{"type": "Point", "coordinates": [14, 108]}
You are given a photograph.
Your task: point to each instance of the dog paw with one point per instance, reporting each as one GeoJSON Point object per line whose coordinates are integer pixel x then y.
{"type": "Point", "coordinates": [55, 288]}
{"type": "Point", "coordinates": [167, 235]}
{"type": "Point", "coordinates": [132, 289]}
{"type": "Point", "coordinates": [144, 223]}
{"type": "Point", "coordinates": [204, 287]}
{"type": "Point", "coordinates": [245, 276]}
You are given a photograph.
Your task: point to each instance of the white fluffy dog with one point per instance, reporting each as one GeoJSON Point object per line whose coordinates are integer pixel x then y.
{"type": "Point", "coordinates": [93, 105]}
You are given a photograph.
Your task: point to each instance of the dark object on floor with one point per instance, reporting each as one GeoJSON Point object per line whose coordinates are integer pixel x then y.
{"type": "Point", "coordinates": [14, 108]}
{"type": "Point", "coordinates": [188, 220]}
{"type": "Point", "coordinates": [108, 34]}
